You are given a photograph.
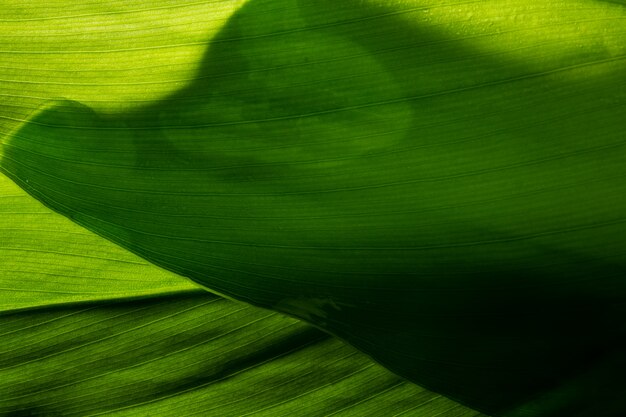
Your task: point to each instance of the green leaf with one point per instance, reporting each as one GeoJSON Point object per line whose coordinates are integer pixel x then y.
{"type": "Point", "coordinates": [46, 260]}
{"type": "Point", "coordinates": [89, 329]}
{"type": "Point", "coordinates": [440, 184]}
{"type": "Point", "coordinates": [194, 354]}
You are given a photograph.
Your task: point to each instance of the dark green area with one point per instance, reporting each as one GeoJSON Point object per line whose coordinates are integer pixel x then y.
{"type": "Point", "coordinates": [453, 212]}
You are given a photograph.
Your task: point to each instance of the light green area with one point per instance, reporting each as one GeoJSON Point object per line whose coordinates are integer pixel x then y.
{"type": "Point", "coordinates": [47, 260]}
{"type": "Point", "coordinates": [441, 184]}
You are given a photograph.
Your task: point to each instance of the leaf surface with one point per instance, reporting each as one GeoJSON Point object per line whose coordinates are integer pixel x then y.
{"type": "Point", "coordinates": [439, 184]}
{"type": "Point", "coordinates": [87, 328]}
{"type": "Point", "coordinates": [195, 354]}
{"type": "Point", "coordinates": [46, 261]}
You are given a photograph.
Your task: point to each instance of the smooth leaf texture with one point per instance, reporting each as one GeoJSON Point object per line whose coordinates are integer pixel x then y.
{"type": "Point", "coordinates": [441, 185]}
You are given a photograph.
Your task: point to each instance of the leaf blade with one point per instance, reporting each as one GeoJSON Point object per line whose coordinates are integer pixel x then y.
{"type": "Point", "coordinates": [422, 205]}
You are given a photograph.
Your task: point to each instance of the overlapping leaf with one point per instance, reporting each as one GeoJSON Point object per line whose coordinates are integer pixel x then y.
{"type": "Point", "coordinates": [88, 329]}
{"type": "Point", "coordinates": [439, 184]}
